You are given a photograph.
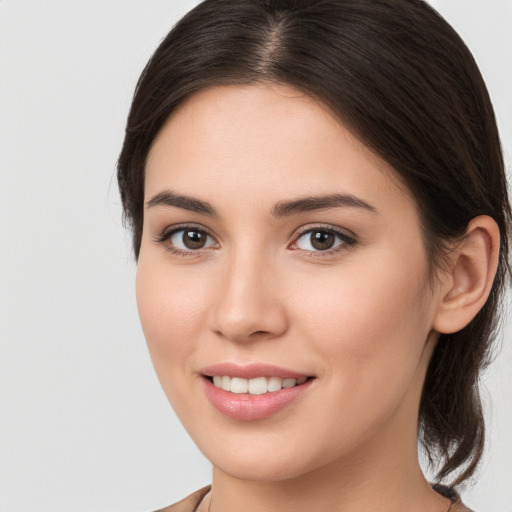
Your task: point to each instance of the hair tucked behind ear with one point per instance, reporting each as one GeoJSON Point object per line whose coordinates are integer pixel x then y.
{"type": "Point", "coordinates": [404, 82]}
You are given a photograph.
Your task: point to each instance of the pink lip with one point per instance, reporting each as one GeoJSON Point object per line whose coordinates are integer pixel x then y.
{"type": "Point", "coordinates": [246, 407]}
{"type": "Point", "coordinates": [250, 371]}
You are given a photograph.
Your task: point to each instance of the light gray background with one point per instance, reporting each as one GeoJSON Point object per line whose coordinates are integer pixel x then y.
{"type": "Point", "coordinates": [84, 425]}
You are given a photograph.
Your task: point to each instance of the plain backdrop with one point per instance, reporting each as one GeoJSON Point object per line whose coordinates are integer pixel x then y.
{"type": "Point", "coordinates": [84, 425]}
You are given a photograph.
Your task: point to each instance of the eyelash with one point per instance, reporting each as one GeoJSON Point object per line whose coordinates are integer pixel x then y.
{"type": "Point", "coordinates": [168, 233]}
{"type": "Point", "coordinates": [346, 240]}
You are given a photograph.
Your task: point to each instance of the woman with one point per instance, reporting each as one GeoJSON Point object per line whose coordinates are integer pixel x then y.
{"type": "Point", "coordinates": [319, 212]}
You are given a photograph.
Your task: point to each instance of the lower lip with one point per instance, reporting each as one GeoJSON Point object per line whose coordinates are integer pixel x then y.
{"type": "Point", "coordinates": [245, 407]}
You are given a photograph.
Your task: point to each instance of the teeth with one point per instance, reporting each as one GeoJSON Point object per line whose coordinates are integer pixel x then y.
{"type": "Point", "coordinates": [256, 386]}
{"type": "Point", "coordinates": [274, 384]}
{"type": "Point", "coordinates": [238, 385]}
{"type": "Point", "coordinates": [289, 383]}
{"type": "Point", "coordinates": [226, 383]}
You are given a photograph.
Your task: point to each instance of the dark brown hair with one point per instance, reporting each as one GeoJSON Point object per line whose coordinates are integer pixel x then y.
{"type": "Point", "coordinates": [401, 79]}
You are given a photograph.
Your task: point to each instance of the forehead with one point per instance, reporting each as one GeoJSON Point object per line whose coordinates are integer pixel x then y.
{"type": "Point", "coordinates": [253, 139]}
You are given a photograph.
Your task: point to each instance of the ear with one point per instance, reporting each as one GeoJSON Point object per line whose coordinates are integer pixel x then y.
{"type": "Point", "coordinates": [466, 286]}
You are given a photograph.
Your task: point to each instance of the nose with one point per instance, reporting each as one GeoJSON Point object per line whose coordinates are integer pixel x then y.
{"type": "Point", "coordinates": [248, 305]}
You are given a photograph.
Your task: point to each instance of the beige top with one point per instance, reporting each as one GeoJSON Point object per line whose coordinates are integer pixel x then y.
{"type": "Point", "coordinates": [190, 503]}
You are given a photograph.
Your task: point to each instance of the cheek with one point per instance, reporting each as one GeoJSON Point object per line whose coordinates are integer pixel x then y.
{"type": "Point", "coordinates": [370, 319]}
{"type": "Point", "coordinates": [171, 308]}
{"type": "Point", "coordinates": [368, 332]}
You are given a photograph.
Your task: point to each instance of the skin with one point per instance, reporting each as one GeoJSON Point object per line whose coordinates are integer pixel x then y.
{"type": "Point", "coordinates": [361, 317]}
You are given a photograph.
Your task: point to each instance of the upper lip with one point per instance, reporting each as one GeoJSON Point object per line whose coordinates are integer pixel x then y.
{"type": "Point", "coordinates": [250, 371]}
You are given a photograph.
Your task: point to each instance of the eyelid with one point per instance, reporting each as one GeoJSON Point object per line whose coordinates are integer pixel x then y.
{"type": "Point", "coordinates": [163, 237]}
{"type": "Point", "coordinates": [348, 237]}
{"type": "Point", "coordinates": [170, 230]}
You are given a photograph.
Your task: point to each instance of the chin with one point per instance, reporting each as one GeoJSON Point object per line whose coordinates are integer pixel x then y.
{"type": "Point", "coordinates": [262, 461]}
{"type": "Point", "coordinates": [266, 470]}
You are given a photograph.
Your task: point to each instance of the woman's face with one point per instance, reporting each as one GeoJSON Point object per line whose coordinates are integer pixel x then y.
{"type": "Point", "coordinates": [279, 251]}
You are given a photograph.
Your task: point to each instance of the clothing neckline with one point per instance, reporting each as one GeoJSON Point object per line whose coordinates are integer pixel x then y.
{"type": "Point", "coordinates": [193, 501]}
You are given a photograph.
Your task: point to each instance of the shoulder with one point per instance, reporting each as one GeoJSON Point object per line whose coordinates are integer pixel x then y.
{"type": "Point", "coordinates": [190, 503]}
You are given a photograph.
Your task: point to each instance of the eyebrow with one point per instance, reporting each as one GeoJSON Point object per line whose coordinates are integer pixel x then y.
{"type": "Point", "coordinates": [168, 198]}
{"type": "Point", "coordinates": [280, 209]}
{"type": "Point", "coordinates": [312, 203]}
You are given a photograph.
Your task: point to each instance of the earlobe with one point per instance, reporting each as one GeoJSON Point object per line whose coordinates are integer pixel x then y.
{"type": "Point", "coordinates": [469, 281]}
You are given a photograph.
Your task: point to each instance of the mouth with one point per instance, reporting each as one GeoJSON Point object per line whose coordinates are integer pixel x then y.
{"type": "Point", "coordinates": [255, 386]}
{"type": "Point", "coordinates": [254, 392]}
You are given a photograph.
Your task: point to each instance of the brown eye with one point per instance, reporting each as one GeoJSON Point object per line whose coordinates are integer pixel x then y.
{"type": "Point", "coordinates": [322, 240]}
{"type": "Point", "coordinates": [194, 239]}
{"type": "Point", "coordinates": [190, 239]}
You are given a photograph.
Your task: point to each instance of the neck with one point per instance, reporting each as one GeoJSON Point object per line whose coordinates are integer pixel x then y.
{"type": "Point", "coordinates": [385, 483]}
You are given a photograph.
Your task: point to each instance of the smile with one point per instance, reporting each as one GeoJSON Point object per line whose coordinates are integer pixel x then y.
{"type": "Point", "coordinates": [254, 392]}
{"type": "Point", "coordinates": [255, 386]}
